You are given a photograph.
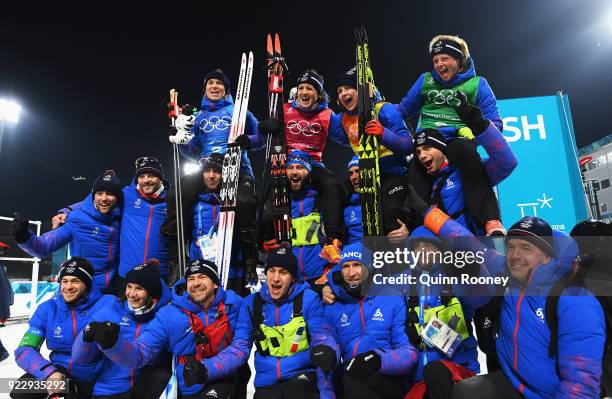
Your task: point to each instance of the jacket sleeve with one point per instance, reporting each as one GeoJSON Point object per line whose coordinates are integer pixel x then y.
{"type": "Point", "coordinates": [403, 357]}
{"type": "Point", "coordinates": [137, 354]}
{"type": "Point", "coordinates": [229, 360]}
{"type": "Point", "coordinates": [27, 354]}
{"type": "Point", "coordinates": [486, 101]}
{"type": "Point", "coordinates": [396, 135]}
{"type": "Point", "coordinates": [84, 352]}
{"type": "Point", "coordinates": [410, 106]}
{"type": "Point", "coordinates": [336, 130]}
{"type": "Point", "coordinates": [580, 346]}
{"type": "Point", "coordinates": [320, 330]}
{"type": "Point", "coordinates": [458, 237]}
{"type": "Point", "coordinates": [51, 241]}
{"type": "Point", "coordinates": [501, 161]}
{"type": "Point", "coordinates": [251, 130]}
{"type": "Point", "coordinates": [70, 208]}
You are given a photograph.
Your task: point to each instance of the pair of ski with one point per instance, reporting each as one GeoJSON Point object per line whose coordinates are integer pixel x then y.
{"type": "Point", "coordinates": [369, 173]}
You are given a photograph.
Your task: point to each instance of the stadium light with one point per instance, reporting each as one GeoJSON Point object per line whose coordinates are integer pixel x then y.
{"type": "Point", "coordinates": [190, 167]}
{"type": "Point", "coordinates": [9, 111]}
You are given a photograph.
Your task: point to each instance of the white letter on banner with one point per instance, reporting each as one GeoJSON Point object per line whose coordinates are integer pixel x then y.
{"type": "Point", "coordinates": [507, 128]}
{"type": "Point", "coordinates": [527, 127]}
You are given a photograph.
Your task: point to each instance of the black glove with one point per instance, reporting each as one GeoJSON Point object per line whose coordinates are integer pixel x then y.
{"type": "Point", "coordinates": [471, 115]}
{"type": "Point", "coordinates": [324, 357]}
{"type": "Point", "coordinates": [243, 141]}
{"type": "Point", "coordinates": [270, 126]}
{"type": "Point", "coordinates": [106, 334]}
{"type": "Point", "coordinates": [363, 366]}
{"type": "Point", "coordinates": [414, 202]}
{"type": "Point", "coordinates": [89, 333]}
{"type": "Point", "coordinates": [19, 229]}
{"type": "Point", "coordinates": [194, 371]}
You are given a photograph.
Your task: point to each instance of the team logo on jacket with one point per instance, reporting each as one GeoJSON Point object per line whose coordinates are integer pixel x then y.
{"type": "Point", "coordinates": [540, 313]}
{"type": "Point", "coordinates": [96, 230]}
{"type": "Point", "coordinates": [215, 123]}
{"type": "Point", "coordinates": [212, 393]}
{"type": "Point", "coordinates": [353, 216]}
{"type": "Point", "coordinates": [378, 316]}
{"type": "Point", "coordinates": [304, 127]}
{"type": "Point", "coordinates": [344, 320]}
{"type": "Point", "coordinates": [450, 184]}
{"type": "Point", "coordinates": [57, 333]}
{"type": "Point", "coordinates": [137, 203]}
{"type": "Point", "coordinates": [125, 321]}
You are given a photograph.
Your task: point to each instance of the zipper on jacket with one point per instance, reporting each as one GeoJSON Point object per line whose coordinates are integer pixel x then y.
{"type": "Point", "coordinates": [362, 327]}
{"type": "Point", "coordinates": [146, 246]}
{"type": "Point", "coordinates": [74, 335]}
{"type": "Point", "coordinates": [518, 321]}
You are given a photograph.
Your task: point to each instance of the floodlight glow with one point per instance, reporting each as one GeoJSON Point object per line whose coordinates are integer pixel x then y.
{"type": "Point", "coordinates": [9, 111]}
{"type": "Point", "coordinates": [190, 167]}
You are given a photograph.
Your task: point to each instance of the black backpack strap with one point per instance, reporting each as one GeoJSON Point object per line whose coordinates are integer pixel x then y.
{"type": "Point", "coordinates": [297, 304]}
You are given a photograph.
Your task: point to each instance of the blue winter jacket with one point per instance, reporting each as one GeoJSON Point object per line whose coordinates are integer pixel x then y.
{"type": "Point", "coordinates": [141, 238]}
{"type": "Point", "coordinates": [206, 215]}
{"type": "Point", "coordinates": [59, 324]}
{"type": "Point", "coordinates": [524, 335]}
{"type": "Point", "coordinates": [114, 379]}
{"type": "Point", "coordinates": [499, 165]}
{"type": "Point", "coordinates": [467, 353]}
{"type": "Point", "coordinates": [170, 331]}
{"type": "Point", "coordinates": [212, 128]}
{"type": "Point", "coordinates": [396, 137]}
{"type": "Point", "coordinates": [91, 235]}
{"type": "Point", "coordinates": [310, 264]}
{"type": "Point", "coordinates": [352, 219]}
{"type": "Point", "coordinates": [373, 322]}
{"type": "Point", "coordinates": [410, 106]}
{"type": "Point", "coordinates": [270, 370]}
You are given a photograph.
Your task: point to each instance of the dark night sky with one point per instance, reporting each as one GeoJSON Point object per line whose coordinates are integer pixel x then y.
{"type": "Point", "coordinates": [92, 80]}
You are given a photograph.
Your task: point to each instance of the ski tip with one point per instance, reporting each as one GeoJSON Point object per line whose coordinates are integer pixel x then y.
{"type": "Point", "coordinates": [277, 45]}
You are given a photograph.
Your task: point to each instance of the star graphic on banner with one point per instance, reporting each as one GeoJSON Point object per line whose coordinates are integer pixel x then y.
{"type": "Point", "coordinates": [545, 201]}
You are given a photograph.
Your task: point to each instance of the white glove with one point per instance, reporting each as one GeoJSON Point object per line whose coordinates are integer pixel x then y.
{"type": "Point", "coordinates": [184, 122]}
{"type": "Point", "coordinates": [181, 137]}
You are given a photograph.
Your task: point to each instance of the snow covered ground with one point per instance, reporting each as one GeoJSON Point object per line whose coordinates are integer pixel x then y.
{"type": "Point", "coordinates": [12, 333]}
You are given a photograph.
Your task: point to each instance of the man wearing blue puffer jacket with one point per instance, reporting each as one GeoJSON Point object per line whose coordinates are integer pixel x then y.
{"type": "Point", "coordinates": [142, 215]}
{"type": "Point", "coordinates": [352, 211]}
{"type": "Point", "coordinates": [453, 305]}
{"type": "Point", "coordinates": [306, 220]}
{"type": "Point", "coordinates": [145, 294]}
{"type": "Point", "coordinates": [198, 323]}
{"type": "Point", "coordinates": [58, 321]}
{"type": "Point", "coordinates": [536, 258]}
{"type": "Point", "coordinates": [435, 99]}
{"type": "Point", "coordinates": [395, 143]}
{"type": "Point", "coordinates": [370, 328]}
{"type": "Point", "coordinates": [92, 231]}
{"type": "Point", "coordinates": [207, 132]}
{"type": "Point", "coordinates": [295, 345]}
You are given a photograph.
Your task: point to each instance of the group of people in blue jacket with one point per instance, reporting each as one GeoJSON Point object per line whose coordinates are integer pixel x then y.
{"type": "Point", "coordinates": [124, 325]}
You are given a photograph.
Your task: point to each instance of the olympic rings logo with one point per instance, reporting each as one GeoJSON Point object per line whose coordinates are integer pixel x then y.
{"type": "Point", "coordinates": [441, 97]}
{"type": "Point", "coordinates": [303, 127]}
{"type": "Point", "coordinates": [215, 123]}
